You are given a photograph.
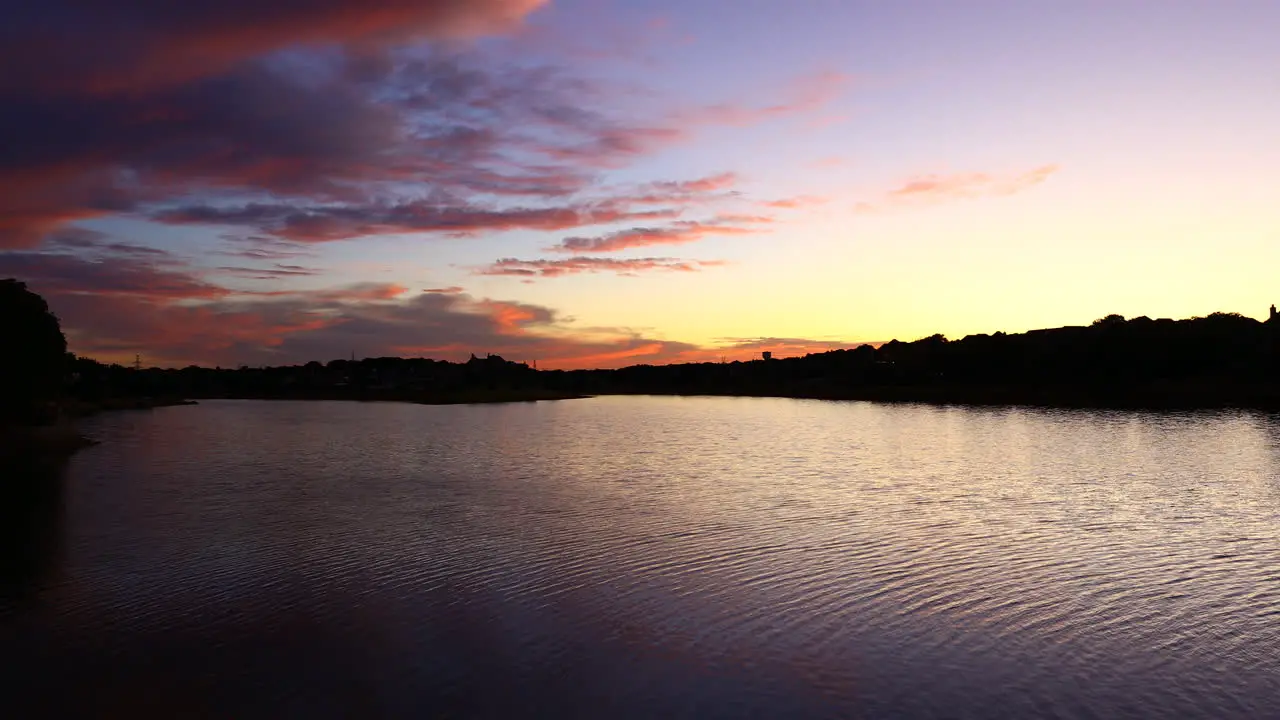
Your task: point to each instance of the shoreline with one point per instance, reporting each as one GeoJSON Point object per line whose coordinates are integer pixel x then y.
{"type": "Point", "coordinates": [1150, 398]}
{"type": "Point", "coordinates": [63, 438]}
{"type": "Point", "coordinates": [42, 443]}
{"type": "Point", "coordinates": [1265, 398]}
{"type": "Point", "coordinates": [85, 408]}
{"type": "Point", "coordinates": [461, 397]}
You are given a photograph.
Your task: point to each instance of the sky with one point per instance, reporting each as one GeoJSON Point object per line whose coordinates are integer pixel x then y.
{"type": "Point", "coordinates": [601, 183]}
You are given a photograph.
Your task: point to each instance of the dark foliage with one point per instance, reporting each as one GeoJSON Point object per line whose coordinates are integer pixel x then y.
{"type": "Point", "coordinates": [388, 378]}
{"type": "Point", "coordinates": [32, 366]}
{"type": "Point", "coordinates": [1220, 360]}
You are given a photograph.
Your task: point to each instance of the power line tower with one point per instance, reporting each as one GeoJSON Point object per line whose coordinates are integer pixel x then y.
{"type": "Point", "coordinates": [137, 361]}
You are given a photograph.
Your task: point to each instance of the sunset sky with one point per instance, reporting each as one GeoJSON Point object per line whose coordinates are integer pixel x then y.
{"type": "Point", "coordinates": [612, 182]}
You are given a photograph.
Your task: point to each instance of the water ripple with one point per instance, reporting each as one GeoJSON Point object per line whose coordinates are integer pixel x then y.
{"type": "Point", "coordinates": [645, 557]}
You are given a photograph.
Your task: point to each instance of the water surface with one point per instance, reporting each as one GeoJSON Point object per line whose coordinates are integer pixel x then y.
{"type": "Point", "coordinates": [648, 557]}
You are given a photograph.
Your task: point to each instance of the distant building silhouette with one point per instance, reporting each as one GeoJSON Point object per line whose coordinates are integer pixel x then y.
{"type": "Point", "coordinates": [1273, 313]}
{"type": "Point", "coordinates": [766, 355]}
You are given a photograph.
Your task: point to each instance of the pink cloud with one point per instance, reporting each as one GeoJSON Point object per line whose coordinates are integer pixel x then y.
{"type": "Point", "coordinates": [116, 327]}
{"type": "Point", "coordinates": [63, 274]}
{"type": "Point", "coordinates": [797, 202]}
{"type": "Point", "coordinates": [710, 183]}
{"type": "Point", "coordinates": [129, 46]}
{"type": "Point", "coordinates": [358, 292]}
{"type": "Point", "coordinates": [806, 95]}
{"type": "Point", "coordinates": [931, 189]}
{"type": "Point", "coordinates": [329, 153]}
{"type": "Point", "coordinates": [187, 108]}
{"type": "Point", "coordinates": [110, 310]}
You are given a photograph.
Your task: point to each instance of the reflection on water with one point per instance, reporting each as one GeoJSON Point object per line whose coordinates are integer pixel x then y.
{"type": "Point", "coordinates": [649, 557]}
{"type": "Point", "coordinates": [31, 496]}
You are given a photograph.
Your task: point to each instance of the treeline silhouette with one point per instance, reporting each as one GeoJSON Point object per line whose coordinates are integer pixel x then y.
{"type": "Point", "coordinates": [386, 378]}
{"type": "Point", "coordinates": [31, 362]}
{"type": "Point", "coordinates": [1224, 359]}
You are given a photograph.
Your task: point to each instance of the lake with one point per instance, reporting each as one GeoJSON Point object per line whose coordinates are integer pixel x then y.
{"type": "Point", "coordinates": [648, 557]}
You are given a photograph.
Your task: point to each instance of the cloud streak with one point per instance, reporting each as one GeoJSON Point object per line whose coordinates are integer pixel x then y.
{"type": "Point", "coordinates": [470, 140]}
{"type": "Point", "coordinates": [62, 274]}
{"type": "Point", "coordinates": [935, 189]}
{"type": "Point", "coordinates": [805, 95]}
{"type": "Point", "coordinates": [114, 307]}
{"type": "Point", "coordinates": [286, 124]}
{"type": "Point", "coordinates": [324, 223]}
{"type": "Point", "coordinates": [131, 45]}
{"type": "Point", "coordinates": [579, 265]}
{"type": "Point", "coordinates": [379, 137]}
{"type": "Point", "coordinates": [275, 272]}
{"type": "Point", "coordinates": [678, 233]}
{"type": "Point", "coordinates": [797, 202]}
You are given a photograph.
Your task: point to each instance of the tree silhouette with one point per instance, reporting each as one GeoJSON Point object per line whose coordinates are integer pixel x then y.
{"type": "Point", "coordinates": [33, 360]}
